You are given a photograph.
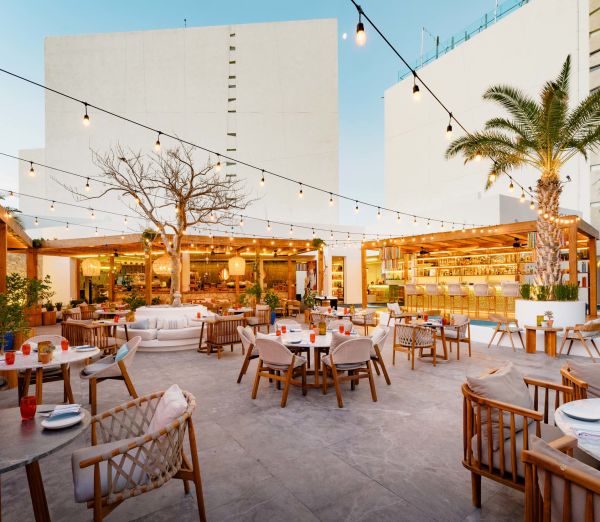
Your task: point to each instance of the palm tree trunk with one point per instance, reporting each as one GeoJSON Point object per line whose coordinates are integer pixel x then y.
{"type": "Point", "coordinates": [547, 246]}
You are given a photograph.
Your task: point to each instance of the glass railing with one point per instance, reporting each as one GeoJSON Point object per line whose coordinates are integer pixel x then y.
{"type": "Point", "coordinates": [441, 48]}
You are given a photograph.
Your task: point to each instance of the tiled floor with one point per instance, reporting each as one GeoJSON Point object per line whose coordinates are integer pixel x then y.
{"type": "Point", "coordinates": [397, 459]}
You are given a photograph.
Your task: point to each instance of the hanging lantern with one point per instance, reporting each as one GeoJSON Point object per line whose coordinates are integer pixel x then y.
{"type": "Point", "coordinates": [90, 267]}
{"type": "Point", "coordinates": [237, 266]}
{"type": "Point", "coordinates": [162, 265]}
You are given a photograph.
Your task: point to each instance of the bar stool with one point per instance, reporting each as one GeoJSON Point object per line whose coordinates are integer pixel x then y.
{"type": "Point", "coordinates": [414, 291]}
{"type": "Point", "coordinates": [431, 291]}
{"type": "Point", "coordinates": [483, 290]}
{"type": "Point", "coordinates": [509, 290]}
{"type": "Point", "coordinates": [457, 290]}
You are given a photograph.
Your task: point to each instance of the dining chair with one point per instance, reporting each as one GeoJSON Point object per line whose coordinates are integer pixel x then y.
{"type": "Point", "coordinates": [582, 378]}
{"type": "Point", "coordinates": [582, 333]}
{"type": "Point", "coordinates": [289, 323]}
{"type": "Point", "coordinates": [88, 312]}
{"type": "Point", "coordinates": [275, 359]}
{"type": "Point", "coordinates": [558, 486]}
{"type": "Point", "coordinates": [354, 357]}
{"type": "Point", "coordinates": [293, 307]}
{"type": "Point", "coordinates": [458, 331]}
{"type": "Point", "coordinates": [365, 319]}
{"type": "Point", "coordinates": [487, 453]}
{"type": "Point", "coordinates": [76, 331]}
{"type": "Point", "coordinates": [109, 368]}
{"type": "Point", "coordinates": [316, 317]}
{"type": "Point", "coordinates": [129, 457]}
{"type": "Point", "coordinates": [222, 331]}
{"type": "Point", "coordinates": [506, 326]}
{"type": "Point", "coordinates": [71, 313]}
{"type": "Point", "coordinates": [262, 317]}
{"type": "Point", "coordinates": [394, 313]}
{"type": "Point", "coordinates": [336, 323]}
{"type": "Point", "coordinates": [379, 337]}
{"type": "Point", "coordinates": [410, 338]}
{"type": "Point", "coordinates": [248, 346]}
{"type": "Point", "coordinates": [432, 291]}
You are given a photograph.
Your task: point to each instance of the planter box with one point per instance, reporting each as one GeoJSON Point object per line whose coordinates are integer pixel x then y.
{"type": "Point", "coordinates": [566, 313]}
{"type": "Point", "coordinates": [33, 316]}
{"type": "Point", "coordinates": [49, 318]}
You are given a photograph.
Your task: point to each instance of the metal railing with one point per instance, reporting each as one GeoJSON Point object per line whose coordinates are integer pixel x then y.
{"type": "Point", "coordinates": [441, 48]}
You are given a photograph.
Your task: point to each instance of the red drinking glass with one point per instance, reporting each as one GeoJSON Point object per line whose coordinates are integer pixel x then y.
{"type": "Point", "coordinates": [347, 332]}
{"type": "Point", "coordinates": [329, 309]}
{"type": "Point", "coordinates": [313, 337]}
{"type": "Point", "coordinates": [283, 328]}
{"type": "Point", "coordinates": [425, 317]}
{"type": "Point", "coordinates": [26, 349]}
{"type": "Point", "coordinates": [9, 357]}
{"type": "Point", "coordinates": [198, 315]}
{"type": "Point", "coordinates": [278, 333]}
{"type": "Point", "coordinates": [116, 319]}
{"type": "Point", "coordinates": [341, 328]}
{"type": "Point", "coordinates": [64, 344]}
{"type": "Point", "coordinates": [28, 407]}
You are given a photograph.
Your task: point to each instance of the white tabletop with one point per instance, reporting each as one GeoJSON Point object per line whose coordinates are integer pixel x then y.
{"type": "Point", "coordinates": [25, 362]}
{"type": "Point", "coordinates": [112, 312]}
{"type": "Point", "coordinates": [321, 341]}
{"type": "Point", "coordinates": [242, 310]}
{"type": "Point", "coordinates": [587, 433]}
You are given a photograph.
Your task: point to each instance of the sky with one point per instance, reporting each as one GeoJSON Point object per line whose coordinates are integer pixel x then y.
{"type": "Point", "coordinates": [364, 72]}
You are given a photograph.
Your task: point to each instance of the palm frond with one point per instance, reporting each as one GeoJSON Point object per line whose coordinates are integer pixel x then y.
{"type": "Point", "coordinates": [584, 118]}
{"type": "Point", "coordinates": [507, 125]}
{"type": "Point", "coordinates": [488, 144]}
{"type": "Point", "coordinates": [524, 109]}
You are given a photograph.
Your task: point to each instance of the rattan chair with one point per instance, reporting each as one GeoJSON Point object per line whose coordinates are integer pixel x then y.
{"type": "Point", "coordinates": [336, 323]}
{"type": "Point", "coordinates": [248, 346]}
{"type": "Point", "coordinates": [458, 332]}
{"type": "Point", "coordinates": [274, 359]}
{"type": "Point", "coordinates": [378, 337]}
{"type": "Point", "coordinates": [506, 326]}
{"type": "Point", "coordinates": [354, 357]}
{"type": "Point", "coordinates": [222, 332]}
{"type": "Point", "coordinates": [125, 460]}
{"type": "Point", "coordinates": [394, 313]}
{"type": "Point", "coordinates": [109, 369]}
{"type": "Point", "coordinates": [88, 312]}
{"type": "Point", "coordinates": [504, 464]}
{"type": "Point", "coordinates": [262, 317]}
{"type": "Point", "coordinates": [410, 338]}
{"type": "Point", "coordinates": [316, 317]}
{"type": "Point", "coordinates": [293, 307]}
{"type": "Point", "coordinates": [71, 313]}
{"type": "Point", "coordinates": [557, 486]}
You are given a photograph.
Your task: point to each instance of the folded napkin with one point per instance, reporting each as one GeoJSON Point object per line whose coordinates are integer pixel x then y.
{"type": "Point", "coordinates": [295, 329]}
{"type": "Point", "coordinates": [83, 347]}
{"type": "Point", "coordinates": [65, 410]}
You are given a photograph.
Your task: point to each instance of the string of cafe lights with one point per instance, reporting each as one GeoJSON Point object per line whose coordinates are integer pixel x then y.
{"type": "Point", "coordinates": [222, 156]}
{"type": "Point", "coordinates": [361, 39]}
{"type": "Point", "coordinates": [89, 180]}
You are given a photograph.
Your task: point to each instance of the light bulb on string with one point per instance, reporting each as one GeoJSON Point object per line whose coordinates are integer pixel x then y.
{"type": "Point", "coordinates": [93, 214]}
{"type": "Point", "coordinates": [241, 221]}
{"type": "Point", "coordinates": [522, 198]}
{"type": "Point", "coordinates": [218, 165]}
{"type": "Point", "coordinates": [269, 226]}
{"type": "Point", "coordinates": [478, 156]}
{"type": "Point", "coordinates": [31, 169]}
{"type": "Point", "coordinates": [331, 234]}
{"type": "Point", "coordinates": [291, 230]}
{"type": "Point", "coordinates": [415, 90]}
{"type": "Point", "coordinates": [300, 192]}
{"type": "Point", "coordinates": [361, 36]}
{"type": "Point", "coordinates": [398, 217]}
{"type": "Point", "coordinates": [262, 179]}
{"type": "Point", "coordinates": [415, 220]}
{"type": "Point", "coordinates": [313, 233]}
{"type": "Point", "coordinates": [157, 143]}
{"type": "Point", "coordinates": [492, 176]}
{"type": "Point", "coordinates": [428, 224]}
{"type": "Point", "coordinates": [330, 199]}
{"type": "Point", "coordinates": [125, 220]}
{"type": "Point", "coordinates": [378, 213]}
{"type": "Point", "coordinates": [52, 207]}
{"type": "Point", "coordinates": [86, 118]}
{"type": "Point", "coordinates": [348, 236]}
{"type": "Point", "coordinates": [356, 208]}
{"type": "Point", "coordinates": [36, 221]}
{"type": "Point", "coordinates": [511, 186]}
{"type": "Point", "coordinates": [87, 185]}
{"type": "Point", "coordinates": [96, 230]}
{"type": "Point", "coordinates": [67, 226]}
{"type": "Point", "coordinates": [442, 224]}
{"type": "Point", "coordinates": [449, 127]}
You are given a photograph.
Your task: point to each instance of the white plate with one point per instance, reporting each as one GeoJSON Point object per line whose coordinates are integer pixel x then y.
{"type": "Point", "coordinates": [88, 349]}
{"type": "Point", "coordinates": [583, 410]}
{"type": "Point", "coordinates": [62, 422]}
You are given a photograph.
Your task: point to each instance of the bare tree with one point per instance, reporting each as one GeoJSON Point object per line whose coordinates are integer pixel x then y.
{"type": "Point", "coordinates": [171, 193]}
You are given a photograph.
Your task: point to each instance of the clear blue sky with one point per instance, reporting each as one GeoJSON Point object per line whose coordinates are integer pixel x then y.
{"type": "Point", "coordinates": [364, 73]}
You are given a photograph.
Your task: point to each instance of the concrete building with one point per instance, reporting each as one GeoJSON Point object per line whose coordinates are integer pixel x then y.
{"type": "Point", "coordinates": [524, 49]}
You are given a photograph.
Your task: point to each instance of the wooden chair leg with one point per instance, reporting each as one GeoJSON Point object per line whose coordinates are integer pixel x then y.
{"type": "Point", "coordinates": [493, 335]}
{"type": "Point", "coordinates": [562, 345]}
{"type": "Point", "coordinates": [383, 368]}
{"type": "Point", "coordinates": [256, 379]}
{"type": "Point", "coordinates": [324, 383]}
{"type": "Point", "coordinates": [521, 339]}
{"type": "Point", "coordinates": [245, 365]}
{"type": "Point", "coordinates": [336, 384]}
{"type": "Point", "coordinates": [196, 471]}
{"type": "Point", "coordinates": [304, 390]}
{"type": "Point", "coordinates": [476, 489]}
{"type": "Point", "coordinates": [128, 383]}
{"type": "Point", "coordinates": [286, 385]}
{"type": "Point", "coordinates": [412, 356]}
{"type": "Point", "coordinates": [93, 385]}
{"type": "Point", "coordinates": [371, 382]}
{"type": "Point", "coordinates": [394, 356]}
{"type": "Point", "coordinates": [376, 366]}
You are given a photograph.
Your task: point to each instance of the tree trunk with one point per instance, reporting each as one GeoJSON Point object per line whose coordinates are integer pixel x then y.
{"type": "Point", "coordinates": [176, 272]}
{"type": "Point", "coordinates": [547, 246]}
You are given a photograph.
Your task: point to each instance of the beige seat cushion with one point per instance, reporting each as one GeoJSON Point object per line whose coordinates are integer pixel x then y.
{"type": "Point", "coordinates": [506, 385]}
{"type": "Point", "coordinates": [557, 494]}
{"type": "Point", "coordinates": [83, 478]}
{"type": "Point", "coordinates": [326, 359]}
{"type": "Point", "coordinates": [452, 333]}
{"type": "Point", "coordinates": [252, 321]}
{"type": "Point", "coordinates": [588, 372]}
{"type": "Point", "coordinates": [192, 332]}
{"type": "Point", "coordinates": [299, 360]}
{"type": "Point", "coordinates": [146, 335]}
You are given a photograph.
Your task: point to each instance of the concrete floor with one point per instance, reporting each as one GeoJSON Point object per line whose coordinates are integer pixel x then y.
{"type": "Point", "coordinates": [397, 459]}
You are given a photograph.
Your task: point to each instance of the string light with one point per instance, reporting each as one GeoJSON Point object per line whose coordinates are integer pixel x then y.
{"type": "Point", "coordinates": [398, 217]}
{"type": "Point", "coordinates": [532, 205]}
{"type": "Point", "coordinates": [36, 221]}
{"type": "Point", "coordinates": [415, 220]}
{"type": "Point", "coordinates": [300, 192]}
{"type": "Point", "coordinates": [378, 213]}
{"type": "Point", "coordinates": [262, 179]}
{"type": "Point", "coordinates": [522, 197]}
{"type": "Point", "coordinates": [511, 187]}
{"type": "Point", "coordinates": [93, 214]}
{"type": "Point", "coordinates": [330, 199]}
{"type": "Point", "coordinates": [331, 235]}
{"type": "Point", "coordinates": [416, 90]}
{"type": "Point", "coordinates": [157, 143]}
{"type": "Point", "coordinates": [31, 170]}
{"type": "Point", "coordinates": [492, 177]}
{"type": "Point", "coordinates": [96, 230]}
{"type": "Point", "coordinates": [67, 227]}
{"type": "Point", "coordinates": [449, 127]}
{"type": "Point", "coordinates": [218, 165]}
{"type": "Point", "coordinates": [52, 207]}
{"type": "Point", "coordinates": [313, 233]}
{"type": "Point", "coordinates": [356, 207]}
{"type": "Point", "coordinates": [478, 156]}
{"type": "Point", "coordinates": [361, 36]}
{"type": "Point", "coordinates": [86, 118]}
{"type": "Point", "coordinates": [291, 230]}
{"type": "Point", "coordinates": [87, 185]}
{"type": "Point", "coordinates": [428, 224]}
{"type": "Point", "coordinates": [125, 220]}
{"type": "Point", "coordinates": [269, 226]}
{"type": "Point", "coordinates": [242, 221]}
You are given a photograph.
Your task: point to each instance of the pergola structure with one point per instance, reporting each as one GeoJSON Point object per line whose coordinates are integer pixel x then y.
{"type": "Point", "coordinates": [576, 232]}
{"type": "Point", "coordinates": [14, 239]}
{"type": "Point", "coordinates": [289, 249]}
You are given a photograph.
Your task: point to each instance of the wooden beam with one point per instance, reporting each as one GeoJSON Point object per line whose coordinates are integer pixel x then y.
{"type": "Point", "coordinates": [290, 283]}
{"type": "Point", "coordinates": [363, 275]}
{"type": "Point", "coordinates": [111, 278]}
{"type": "Point", "coordinates": [3, 253]}
{"type": "Point", "coordinates": [573, 253]}
{"type": "Point", "coordinates": [593, 297]}
{"type": "Point", "coordinates": [148, 279]}
{"type": "Point", "coordinates": [320, 271]}
{"type": "Point", "coordinates": [32, 263]}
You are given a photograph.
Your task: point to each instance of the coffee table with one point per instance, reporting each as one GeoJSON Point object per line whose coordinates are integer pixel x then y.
{"type": "Point", "coordinates": [24, 443]}
{"type": "Point", "coordinates": [549, 339]}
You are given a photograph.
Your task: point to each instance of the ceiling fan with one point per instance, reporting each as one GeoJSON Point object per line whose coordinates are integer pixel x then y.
{"type": "Point", "coordinates": [517, 243]}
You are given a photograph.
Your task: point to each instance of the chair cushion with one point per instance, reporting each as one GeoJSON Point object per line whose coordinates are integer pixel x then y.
{"type": "Point", "coordinates": [146, 335]}
{"type": "Point", "coordinates": [588, 372]}
{"type": "Point", "coordinates": [548, 432]}
{"type": "Point", "coordinates": [326, 359]}
{"type": "Point", "coordinates": [252, 321]}
{"type": "Point", "coordinates": [122, 352]}
{"type": "Point", "coordinates": [171, 324]}
{"type": "Point", "coordinates": [96, 367]}
{"type": "Point", "coordinates": [83, 478]}
{"type": "Point", "coordinates": [299, 360]}
{"type": "Point", "coordinates": [142, 324]}
{"type": "Point", "coordinates": [578, 499]}
{"type": "Point", "coordinates": [179, 334]}
{"type": "Point", "coordinates": [171, 406]}
{"type": "Point", "coordinates": [589, 334]}
{"type": "Point", "coordinates": [503, 384]}
{"type": "Point", "coordinates": [453, 333]}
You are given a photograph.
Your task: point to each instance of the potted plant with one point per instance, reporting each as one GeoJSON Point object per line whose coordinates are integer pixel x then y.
{"type": "Point", "coordinates": [49, 314]}
{"type": "Point", "coordinates": [12, 323]}
{"type": "Point", "coordinates": [45, 351]}
{"type": "Point", "coordinates": [253, 294]}
{"type": "Point", "coordinates": [58, 306]}
{"type": "Point", "coordinates": [549, 315]}
{"type": "Point", "coordinates": [272, 299]}
{"type": "Point", "coordinates": [134, 301]}
{"type": "Point", "coordinates": [28, 293]}
{"type": "Point", "coordinates": [308, 299]}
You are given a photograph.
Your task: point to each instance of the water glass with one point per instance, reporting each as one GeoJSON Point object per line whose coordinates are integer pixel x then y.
{"type": "Point", "coordinates": [341, 328]}
{"type": "Point", "coordinates": [28, 406]}
{"type": "Point", "coordinates": [283, 328]}
{"type": "Point", "coordinates": [64, 344]}
{"type": "Point", "coordinates": [26, 349]}
{"type": "Point", "coordinates": [9, 357]}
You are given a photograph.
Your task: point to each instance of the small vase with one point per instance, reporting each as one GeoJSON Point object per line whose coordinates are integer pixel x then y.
{"type": "Point", "coordinates": [550, 322]}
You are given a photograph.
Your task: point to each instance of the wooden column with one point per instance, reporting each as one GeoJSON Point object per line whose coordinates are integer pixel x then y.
{"type": "Point", "coordinates": [78, 276]}
{"type": "Point", "coordinates": [320, 271]}
{"type": "Point", "coordinates": [290, 283]}
{"type": "Point", "coordinates": [237, 288]}
{"type": "Point", "coordinates": [32, 263]}
{"type": "Point", "coordinates": [148, 278]}
{"type": "Point", "coordinates": [573, 253]}
{"type": "Point", "coordinates": [111, 278]}
{"type": "Point", "coordinates": [3, 256]}
{"type": "Point", "coordinates": [363, 274]}
{"type": "Point", "coordinates": [593, 298]}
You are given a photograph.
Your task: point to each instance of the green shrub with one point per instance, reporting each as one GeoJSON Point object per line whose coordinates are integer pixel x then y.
{"type": "Point", "coordinates": [566, 292]}
{"type": "Point", "coordinates": [543, 292]}
{"type": "Point", "coordinates": [526, 291]}
{"type": "Point", "coordinates": [272, 299]}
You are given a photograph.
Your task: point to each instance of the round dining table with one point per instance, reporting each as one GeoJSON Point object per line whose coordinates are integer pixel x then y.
{"type": "Point", "coordinates": [24, 443]}
{"type": "Point", "coordinates": [112, 313]}
{"type": "Point", "coordinates": [29, 364]}
{"type": "Point", "coordinates": [587, 433]}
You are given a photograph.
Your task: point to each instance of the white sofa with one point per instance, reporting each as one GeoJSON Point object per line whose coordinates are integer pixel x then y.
{"type": "Point", "coordinates": [170, 329]}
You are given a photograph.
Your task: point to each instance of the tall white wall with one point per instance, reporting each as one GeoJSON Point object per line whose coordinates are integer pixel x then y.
{"type": "Point", "coordinates": [177, 80]}
{"type": "Point", "coordinates": [525, 49]}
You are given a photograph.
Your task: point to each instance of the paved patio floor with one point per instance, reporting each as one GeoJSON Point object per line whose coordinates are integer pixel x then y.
{"type": "Point", "coordinates": [396, 459]}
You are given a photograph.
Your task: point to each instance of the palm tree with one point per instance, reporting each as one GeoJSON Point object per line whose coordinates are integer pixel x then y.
{"type": "Point", "coordinates": [544, 135]}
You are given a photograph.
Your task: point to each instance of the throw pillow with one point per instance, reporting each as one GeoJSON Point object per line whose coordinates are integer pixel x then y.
{"type": "Point", "coordinates": [142, 324]}
{"type": "Point", "coordinates": [171, 324]}
{"type": "Point", "coordinates": [171, 406]}
{"type": "Point", "coordinates": [506, 385]}
{"type": "Point", "coordinates": [122, 352]}
{"type": "Point", "coordinates": [588, 372]}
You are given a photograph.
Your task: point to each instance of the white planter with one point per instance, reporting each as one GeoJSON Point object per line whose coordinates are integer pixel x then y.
{"type": "Point", "coordinates": [566, 313]}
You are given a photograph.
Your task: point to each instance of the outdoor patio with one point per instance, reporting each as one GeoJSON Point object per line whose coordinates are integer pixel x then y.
{"type": "Point", "coordinates": [396, 459]}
